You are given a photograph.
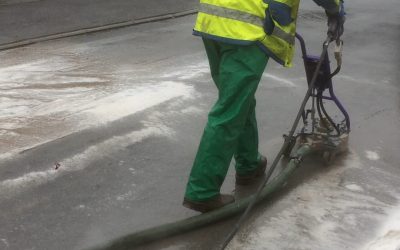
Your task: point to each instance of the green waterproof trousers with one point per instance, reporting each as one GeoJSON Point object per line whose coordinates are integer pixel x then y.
{"type": "Point", "coordinates": [231, 129]}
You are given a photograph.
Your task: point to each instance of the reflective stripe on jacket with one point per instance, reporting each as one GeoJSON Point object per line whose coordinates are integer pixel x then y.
{"type": "Point", "coordinates": [270, 23]}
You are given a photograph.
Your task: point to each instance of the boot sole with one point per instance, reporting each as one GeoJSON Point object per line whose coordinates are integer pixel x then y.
{"type": "Point", "coordinates": [197, 207]}
{"type": "Point", "coordinates": [247, 180]}
{"type": "Point", "coordinates": [203, 208]}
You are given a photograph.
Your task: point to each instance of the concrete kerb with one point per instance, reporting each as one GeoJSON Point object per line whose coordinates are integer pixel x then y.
{"type": "Point", "coordinates": [78, 32]}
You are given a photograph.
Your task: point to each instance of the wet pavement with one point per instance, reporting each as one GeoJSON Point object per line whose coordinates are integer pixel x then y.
{"type": "Point", "coordinates": [98, 133]}
{"type": "Point", "coordinates": [26, 19]}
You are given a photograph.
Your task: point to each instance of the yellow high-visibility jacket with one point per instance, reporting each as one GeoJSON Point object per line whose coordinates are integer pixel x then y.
{"type": "Point", "coordinates": [269, 23]}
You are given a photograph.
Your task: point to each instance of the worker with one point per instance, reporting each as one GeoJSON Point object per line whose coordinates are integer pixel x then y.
{"type": "Point", "coordinates": [239, 38]}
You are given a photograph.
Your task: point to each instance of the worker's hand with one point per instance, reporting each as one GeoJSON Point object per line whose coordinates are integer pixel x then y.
{"type": "Point", "coordinates": [335, 23]}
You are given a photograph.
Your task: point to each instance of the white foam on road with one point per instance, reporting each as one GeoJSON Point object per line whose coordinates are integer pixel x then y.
{"type": "Point", "coordinates": [280, 80]}
{"type": "Point", "coordinates": [189, 71]}
{"type": "Point", "coordinates": [51, 96]}
{"type": "Point", "coordinates": [103, 110]}
{"type": "Point", "coordinates": [321, 213]}
{"type": "Point", "coordinates": [357, 80]}
{"type": "Point", "coordinates": [92, 111]}
{"type": "Point", "coordinates": [372, 155]}
{"type": "Point", "coordinates": [44, 71]}
{"type": "Point", "coordinates": [388, 237]}
{"type": "Point", "coordinates": [12, 187]}
{"type": "Point", "coordinates": [199, 69]}
{"type": "Point", "coordinates": [54, 90]}
{"type": "Point", "coordinates": [354, 187]}
{"type": "Point", "coordinates": [132, 101]}
{"type": "Point", "coordinates": [5, 242]}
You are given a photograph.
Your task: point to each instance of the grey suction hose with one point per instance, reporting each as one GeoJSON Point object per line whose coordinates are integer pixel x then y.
{"type": "Point", "coordinates": [282, 150]}
{"type": "Point", "coordinates": [132, 241]}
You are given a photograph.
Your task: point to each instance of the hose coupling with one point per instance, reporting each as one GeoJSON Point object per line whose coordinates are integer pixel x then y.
{"type": "Point", "coordinates": [297, 159]}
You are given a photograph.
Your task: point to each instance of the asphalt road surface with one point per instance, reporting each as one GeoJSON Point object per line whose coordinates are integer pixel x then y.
{"type": "Point", "coordinates": [98, 134]}
{"type": "Point", "coordinates": [24, 19]}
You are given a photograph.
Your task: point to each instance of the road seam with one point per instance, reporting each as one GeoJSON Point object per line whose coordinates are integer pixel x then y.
{"type": "Point", "coordinates": [105, 27]}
